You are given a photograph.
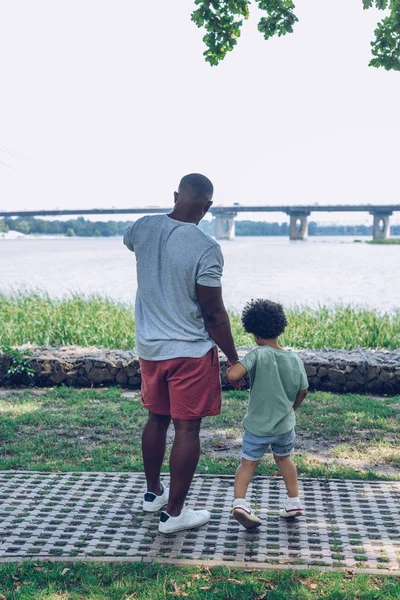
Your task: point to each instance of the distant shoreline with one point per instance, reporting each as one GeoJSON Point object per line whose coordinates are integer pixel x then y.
{"type": "Point", "coordinates": [15, 235]}
{"type": "Point", "coordinates": [80, 227]}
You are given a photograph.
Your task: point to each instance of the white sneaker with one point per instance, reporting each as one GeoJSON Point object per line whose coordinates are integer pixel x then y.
{"type": "Point", "coordinates": [188, 519]}
{"type": "Point", "coordinates": [153, 503]}
{"type": "Point", "coordinates": [291, 510]}
{"type": "Point", "coordinates": [241, 511]}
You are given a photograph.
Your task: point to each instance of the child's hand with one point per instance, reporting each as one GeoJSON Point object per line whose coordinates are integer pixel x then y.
{"type": "Point", "coordinates": [235, 375]}
{"type": "Point", "coordinates": [239, 385]}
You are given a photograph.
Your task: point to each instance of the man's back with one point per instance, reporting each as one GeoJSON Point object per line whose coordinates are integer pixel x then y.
{"type": "Point", "coordinates": [172, 257]}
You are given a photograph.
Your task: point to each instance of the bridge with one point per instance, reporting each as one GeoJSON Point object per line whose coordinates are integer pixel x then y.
{"type": "Point", "coordinates": [225, 215]}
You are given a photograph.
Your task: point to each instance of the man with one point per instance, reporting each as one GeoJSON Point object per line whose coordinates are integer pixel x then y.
{"type": "Point", "coordinates": [180, 317]}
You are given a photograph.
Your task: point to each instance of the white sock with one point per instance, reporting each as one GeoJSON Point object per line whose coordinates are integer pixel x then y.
{"type": "Point", "coordinates": [293, 501]}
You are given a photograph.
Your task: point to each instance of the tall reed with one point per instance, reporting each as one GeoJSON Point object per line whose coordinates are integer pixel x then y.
{"type": "Point", "coordinates": [97, 321]}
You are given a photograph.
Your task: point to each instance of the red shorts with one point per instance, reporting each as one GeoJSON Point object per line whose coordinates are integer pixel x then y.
{"type": "Point", "coordinates": [185, 388]}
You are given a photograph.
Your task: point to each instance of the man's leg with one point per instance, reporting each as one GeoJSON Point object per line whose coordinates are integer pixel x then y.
{"type": "Point", "coordinates": [194, 389]}
{"type": "Point", "coordinates": [153, 449]}
{"type": "Point", "coordinates": [185, 455]}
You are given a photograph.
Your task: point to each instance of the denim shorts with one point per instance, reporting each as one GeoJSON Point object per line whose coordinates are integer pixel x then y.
{"type": "Point", "coordinates": [255, 446]}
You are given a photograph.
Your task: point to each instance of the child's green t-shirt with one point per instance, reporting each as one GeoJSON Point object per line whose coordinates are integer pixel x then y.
{"type": "Point", "coordinates": [276, 377]}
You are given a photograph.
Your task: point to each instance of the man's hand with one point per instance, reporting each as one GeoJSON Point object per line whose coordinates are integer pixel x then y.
{"type": "Point", "coordinates": [231, 361]}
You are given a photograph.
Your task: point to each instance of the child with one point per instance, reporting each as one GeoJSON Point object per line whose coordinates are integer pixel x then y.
{"type": "Point", "coordinates": [278, 387]}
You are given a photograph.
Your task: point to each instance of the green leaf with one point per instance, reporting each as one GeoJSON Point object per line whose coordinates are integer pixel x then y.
{"type": "Point", "coordinates": [223, 20]}
{"type": "Point", "coordinates": [381, 4]}
{"type": "Point", "coordinates": [280, 19]}
{"type": "Point", "coordinates": [386, 46]}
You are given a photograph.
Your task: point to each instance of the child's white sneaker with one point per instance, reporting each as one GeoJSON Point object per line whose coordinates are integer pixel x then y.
{"type": "Point", "coordinates": [292, 508]}
{"type": "Point", "coordinates": [188, 519]}
{"type": "Point", "coordinates": [153, 503]}
{"type": "Point", "coordinates": [241, 511]}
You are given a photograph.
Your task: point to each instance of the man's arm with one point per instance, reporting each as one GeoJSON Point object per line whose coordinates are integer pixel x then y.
{"type": "Point", "coordinates": [216, 319]}
{"type": "Point", "coordinates": [299, 399]}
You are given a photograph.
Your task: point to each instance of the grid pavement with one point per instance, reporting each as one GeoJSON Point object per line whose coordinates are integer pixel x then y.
{"type": "Point", "coordinates": [97, 516]}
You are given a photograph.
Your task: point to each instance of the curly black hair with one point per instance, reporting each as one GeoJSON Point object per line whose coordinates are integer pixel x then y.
{"type": "Point", "coordinates": [264, 318]}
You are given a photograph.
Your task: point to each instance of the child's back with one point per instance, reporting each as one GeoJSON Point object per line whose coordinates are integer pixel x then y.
{"type": "Point", "coordinates": [276, 377]}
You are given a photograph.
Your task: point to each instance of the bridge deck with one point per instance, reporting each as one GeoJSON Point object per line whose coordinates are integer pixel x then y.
{"type": "Point", "coordinates": [215, 210]}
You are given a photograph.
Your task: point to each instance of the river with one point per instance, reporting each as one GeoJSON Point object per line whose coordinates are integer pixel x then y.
{"type": "Point", "coordinates": [320, 271]}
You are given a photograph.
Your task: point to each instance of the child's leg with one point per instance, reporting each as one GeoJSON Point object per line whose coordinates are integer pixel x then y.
{"type": "Point", "coordinates": [243, 477]}
{"type": "Point", "coordinates": [289, 474]}
{"type": "Point", "coordinates": [241, 510]}
{"type": "Point", "coordinates": [293, 507]}
{"type": "Point", "coordinates": [253, 448]}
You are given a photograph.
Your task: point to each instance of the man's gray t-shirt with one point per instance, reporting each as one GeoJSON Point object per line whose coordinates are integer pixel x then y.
{"type": "Point", "coordinates": [171, 258]}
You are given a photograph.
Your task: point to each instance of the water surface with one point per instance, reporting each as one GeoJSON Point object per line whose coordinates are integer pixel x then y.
{"type": "Point", "coordinates": [320, 271]}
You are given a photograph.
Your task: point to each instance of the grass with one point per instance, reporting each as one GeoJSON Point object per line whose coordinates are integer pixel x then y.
{"type": "Point", "coordinates": [379, 452]}
{"type": "Point", "coordinates": [66, 581]}
{"type": "Point", "coordinates": [345, 416]}
{"type": "Point", "coordinates": [389, 241]}
{"type": "Point", "coordinates": [99, 430]}
{"type": "Point", "coordinates": [97, 321]}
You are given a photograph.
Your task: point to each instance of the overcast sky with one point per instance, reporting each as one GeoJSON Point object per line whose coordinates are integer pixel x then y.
{"type": "Point", "coordinates": [109, 102]}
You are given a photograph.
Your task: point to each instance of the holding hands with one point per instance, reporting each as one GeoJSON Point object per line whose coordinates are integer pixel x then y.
{"type": "Point", "coordinates": [235, 374]}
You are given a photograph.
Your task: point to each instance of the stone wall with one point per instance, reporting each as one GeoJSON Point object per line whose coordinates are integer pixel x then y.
{"type": "Point", "coordinates": [356, 371]}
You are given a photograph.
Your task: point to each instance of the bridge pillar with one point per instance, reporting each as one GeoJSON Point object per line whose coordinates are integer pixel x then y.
{"type": "Point", "coordinates": [298, 228]}
{"type": "Point", "coordinates": [225, 226]}
{"type": "Point", "coordinates": [381, 226]}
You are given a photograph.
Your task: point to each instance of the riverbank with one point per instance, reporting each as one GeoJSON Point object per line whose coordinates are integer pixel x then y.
{"type": "Point", "coordinates": [35, 318]}
{"type": "Point", "coordinates": [389, 242]}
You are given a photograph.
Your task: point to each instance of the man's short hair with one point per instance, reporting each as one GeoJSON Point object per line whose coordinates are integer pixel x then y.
{"type": "Point", "coordinates": [264, 318]}
{"type": "Point", "coordinates": [198, 185]}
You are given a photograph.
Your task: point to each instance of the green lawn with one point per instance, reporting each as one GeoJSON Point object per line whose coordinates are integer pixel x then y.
{"type": "Point", "coordinates": [99, 430]}
{"type": "Point", "coordinates": [66, 581]}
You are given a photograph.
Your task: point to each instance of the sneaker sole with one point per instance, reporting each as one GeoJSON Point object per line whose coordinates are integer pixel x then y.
{"type": "Point", "coordinates": [245, 519]}
{"type": "Point", "coordinates": [292, 514]}
{"type": "Point", "coordinates": [184, 527]}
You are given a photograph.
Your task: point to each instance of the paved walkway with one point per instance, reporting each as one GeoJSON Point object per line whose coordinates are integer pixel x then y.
{"type": "Point", "coordinates": [97, 516]}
